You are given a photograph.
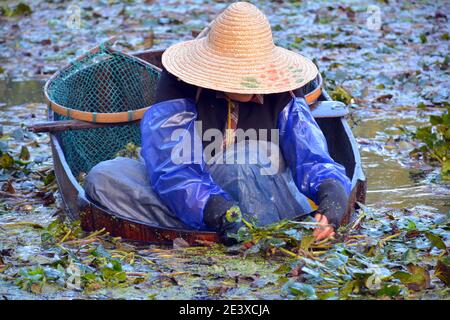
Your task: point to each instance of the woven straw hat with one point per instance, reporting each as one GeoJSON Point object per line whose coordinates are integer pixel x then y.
{"type": "Point", "coordinates": [238, 55]}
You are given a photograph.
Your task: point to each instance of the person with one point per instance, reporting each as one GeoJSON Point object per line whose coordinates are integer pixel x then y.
{"type": "Point", "coordinates": [230, 133]}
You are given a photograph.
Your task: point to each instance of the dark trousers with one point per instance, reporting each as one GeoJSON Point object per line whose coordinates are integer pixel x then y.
{"type": "Point", "coordinates": [122, 186]}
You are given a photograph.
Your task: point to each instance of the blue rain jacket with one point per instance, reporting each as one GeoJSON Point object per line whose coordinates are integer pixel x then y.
{"type": "Point", "coordinates": [185, 188]}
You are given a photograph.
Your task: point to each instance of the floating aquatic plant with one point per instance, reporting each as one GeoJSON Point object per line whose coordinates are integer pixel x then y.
{"type": "Point", "coordinates": [436, 139]}
{"type": "Point", "coordinates": [379, 254]}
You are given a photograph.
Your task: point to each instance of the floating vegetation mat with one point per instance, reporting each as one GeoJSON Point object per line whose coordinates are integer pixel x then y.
{"type": "Point", "coordinates": [383, 254]}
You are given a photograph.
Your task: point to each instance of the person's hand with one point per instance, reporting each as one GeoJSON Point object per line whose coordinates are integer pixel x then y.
{"type": "Point", "coordinates": [223, 217]}
{"type": "Point", "coordinates": [231, 223]}
{"type": "Point", "coordinates": [324, 230]}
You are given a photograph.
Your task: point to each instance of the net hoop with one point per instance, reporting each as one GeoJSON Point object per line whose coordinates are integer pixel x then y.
{"type": "Point", "coordinates": [96, 117]}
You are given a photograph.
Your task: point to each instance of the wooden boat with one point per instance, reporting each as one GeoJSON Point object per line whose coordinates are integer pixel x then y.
{"type": "Point", "coordinates": [77, 205]}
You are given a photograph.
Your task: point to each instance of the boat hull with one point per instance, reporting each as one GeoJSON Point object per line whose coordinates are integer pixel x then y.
{"type": "Point", "coordinates": [77, 205]}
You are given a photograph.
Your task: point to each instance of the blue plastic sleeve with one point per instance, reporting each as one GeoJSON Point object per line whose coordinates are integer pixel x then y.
{"type": "Point", "coordinates": [184, 187]}
{"type": "Point", "coordinates": [305, 149]}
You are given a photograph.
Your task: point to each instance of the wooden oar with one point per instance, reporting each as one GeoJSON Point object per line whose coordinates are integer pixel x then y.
{"type": "Point", "coordinates": [64, 125]}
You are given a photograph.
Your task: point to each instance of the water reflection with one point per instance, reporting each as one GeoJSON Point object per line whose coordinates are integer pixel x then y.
{"type": "Point", "coordinates": [392, 185]}
{"type": "Point", "coordinates": [20, 92]}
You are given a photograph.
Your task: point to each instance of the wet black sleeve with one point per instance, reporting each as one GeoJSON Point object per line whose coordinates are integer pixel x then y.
{"type": "Point", "coordinates": [332, 200]}
{"type": "Point", "coordinates": [214, 217]}
{"type": "Point", "coordinates": [169, 87]}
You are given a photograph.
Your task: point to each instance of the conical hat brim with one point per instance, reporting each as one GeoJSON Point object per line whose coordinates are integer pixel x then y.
{"type": "Point", "coordinates": [195, 63]}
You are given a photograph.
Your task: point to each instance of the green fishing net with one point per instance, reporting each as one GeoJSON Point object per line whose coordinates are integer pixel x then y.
{"type": "Point", "coordinates": [105, 81]}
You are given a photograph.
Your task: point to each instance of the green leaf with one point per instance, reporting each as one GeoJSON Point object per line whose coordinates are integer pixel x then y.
{"type": "Point", "coordinates": [388, 290]}
{"type": "Point", "coordinates": [47, 239]}
{"type": "Point", "coordinates": [410, 256]}
{"type": "Point", "coordinates": [24, 153]}
{"type": "Point", "coordinates": [117, 266]}
{"type": "Point", "coordinates": [437, 140]}
{"type": "Point", "coordinates": [294, 234]}
{"type": "Point", "coordinates": [404, 277]}
{"type": "Point", "coordinates": [435, 240]}
{"type": "Point", "coordinates": [416, 279]}
{"type": "Point", "coordinates": [49, 178]}
{"type": "Point", "coordinates": [298, 39]}
{"type": "Point", "coordinates": [6, 161]}
{"type": "Point", "coordinates": [446, 118]}
{"type": "Point", "coordinates": [112, 275]}
{"type": "Point", "coordinates": [19, 10]}
{"type": "Point", "coordinates": [442, 271]}
{"type": "Point", "coordinates": [303, 290]}
{"type": "Point", "coordinates": [306, 242]}
{"type": "Point", "coordinates": [447, 134]}
{"type": "Point", "coordinates": [326, 295]}
{"type": "Point", "coordinates": [233, 214]}
{"type": "Point", "coordinates": [100, 251]}
{"type": "Point", "coordinates": [277, 27]}
{"type": "Point", "coordinates": [340, 94]}
{"type": "Point", "coordinates": [424, 134]}
{"type": "Point", "coordinates": [411, 225]}
{"type": "Point", "coordinates": [349, 288]}
{"type": "Point", "coordinates": [421, 105]}
{"type": "Point", "coordinates": [283, 269]}
{"type": "Point", "coordinates": [446, 170]}
{"type": "Point", "coordinates": [276, 242]}
{"type": "Point", "coordinates": [434, 120]}
{"type": "Point", "coordinates": [423, 38]}
{"type": "Point", "coordinates": [89, 276]}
